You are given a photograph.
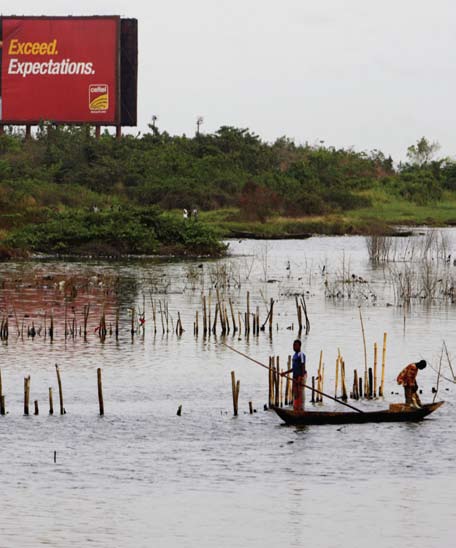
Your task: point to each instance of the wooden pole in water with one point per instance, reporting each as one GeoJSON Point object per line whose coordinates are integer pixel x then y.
{"type": "Point", "coordinates": [2, 397]}
{"type": "Point", "coordinates": [312, 399]}
{"type": "Point", "coordinates": [37, 410]}
{"type": "Point", "coordinates": [375, 369]}
{"type": "Point", "coordinates": [299, 314]}
{"type": "Point", "coordinates": [370, 393]}
{"type": "Point", "coordinates": [277, 382]}
{"type": "Point", "coordinates": [100, 391]}
{"type": "Point", "coordinates": [248, 313]}
{"type": "Point", "coordinates": [234, 394]}
{"type": "Point", "coordinates": [342, 375]}
{"type": "Point", "coordinates": [365, 349]}
{"type": "Point", "coordinates": [271, 313]}
{"type": "Point", "coordinates": [355, 385]}
{"type": "Point", "coordinates": [250, 408]}
{"type": "Point", "coordinates": [51, 402]}
{"type": "Point", "coordinates": [319, 378]}
{"type": "Point", "coordinates": [271, 390]}
{"type": "Point", "coordinates": [204, 316]}
{"type": "Point", "coordinates": [337, 377]}
{"type": "Point", "coordinates": [287, 383]}
{"type": "Point", "coordinates": [214, 327]}
{"type": "Point", "coordinates": [26, 394]}
{"type": "Point", "coordinates": [59, 381]}
{"type": "Point", "coordinates": [233, 317]}
{"type": "Point", "coordinates": [382, 384]}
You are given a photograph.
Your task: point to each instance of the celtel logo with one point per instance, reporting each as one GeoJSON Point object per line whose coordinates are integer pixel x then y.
{"type": "Point", "coordinates": [98, 98]}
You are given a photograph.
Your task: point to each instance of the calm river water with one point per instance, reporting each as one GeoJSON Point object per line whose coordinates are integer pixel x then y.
{"type": "Point", "coordinates": [141, 476]}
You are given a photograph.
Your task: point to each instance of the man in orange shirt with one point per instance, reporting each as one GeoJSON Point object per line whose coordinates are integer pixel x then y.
{"type": "Point", "coordinates": [407, 377]}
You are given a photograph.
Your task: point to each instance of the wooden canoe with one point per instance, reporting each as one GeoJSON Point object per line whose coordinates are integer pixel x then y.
{"type": "Point", "coordinates": [396, 413]}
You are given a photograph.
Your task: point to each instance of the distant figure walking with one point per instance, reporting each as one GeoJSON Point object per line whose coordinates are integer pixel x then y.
{"type": "Point", "coordinates": [185, 214]}
{"type": "Point", "coordinates": [407, 378]}
{"type": "Point", "coordinates": [299, 376]}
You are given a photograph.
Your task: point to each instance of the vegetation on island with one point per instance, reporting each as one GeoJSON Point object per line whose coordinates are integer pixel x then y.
{"type": "Point", "coordinates": [64, 191]}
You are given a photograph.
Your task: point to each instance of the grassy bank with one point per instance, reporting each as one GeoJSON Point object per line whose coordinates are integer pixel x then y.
{"type": "Point", "coordinates": [385, 213]}
{"type": "Point", "coordinates": [114, 232]}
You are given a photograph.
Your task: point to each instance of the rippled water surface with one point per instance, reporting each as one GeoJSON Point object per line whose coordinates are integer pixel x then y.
{"type": "Point", "coordinates": [141, 476]}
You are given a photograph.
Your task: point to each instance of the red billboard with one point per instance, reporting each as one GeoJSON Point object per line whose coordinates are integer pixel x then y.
{"type": "Point", "coordinates": [60, 69]}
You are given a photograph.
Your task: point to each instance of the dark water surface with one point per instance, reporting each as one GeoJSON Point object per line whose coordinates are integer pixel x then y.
{"type": "Point", "coordinates": [140, 476]}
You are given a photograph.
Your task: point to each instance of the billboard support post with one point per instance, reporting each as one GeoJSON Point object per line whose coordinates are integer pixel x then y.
{"type": "Point", "coordinates": [97, 132]}
{"type": "Point", "coordinates": [1, 129]}
{"type": "Point", "coordinates": [28, 132]}
{"type": "Point", "coordinates": [118, 132]}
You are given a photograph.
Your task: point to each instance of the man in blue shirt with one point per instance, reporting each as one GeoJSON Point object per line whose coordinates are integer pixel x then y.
{"type": "Point", "coordinates": [299, 376]}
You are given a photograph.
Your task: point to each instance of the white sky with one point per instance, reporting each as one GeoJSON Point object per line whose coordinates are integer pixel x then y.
{"type": "Point", "coordinates": [350, 72]}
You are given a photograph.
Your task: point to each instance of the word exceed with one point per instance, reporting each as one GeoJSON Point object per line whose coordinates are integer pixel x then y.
{"type": "Point", "coordinates": [32, 48]}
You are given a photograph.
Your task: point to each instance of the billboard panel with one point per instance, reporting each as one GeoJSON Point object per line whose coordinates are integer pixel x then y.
{"type": "Point", "coordinates": [62, 69]}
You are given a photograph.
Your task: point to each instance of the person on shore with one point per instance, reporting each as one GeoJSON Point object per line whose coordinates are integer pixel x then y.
{"type": "Point", "coordinates": [299, 376]}
{"type": "Point", "coordinates": [407, 378]}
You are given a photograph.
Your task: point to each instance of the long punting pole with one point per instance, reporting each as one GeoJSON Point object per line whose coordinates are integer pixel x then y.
{"type": "Point", "coordinates": [305, 385]}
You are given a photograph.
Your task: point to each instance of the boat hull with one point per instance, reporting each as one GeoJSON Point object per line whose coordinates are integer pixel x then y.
{"type": "Point", "coordinates": [404, 414]}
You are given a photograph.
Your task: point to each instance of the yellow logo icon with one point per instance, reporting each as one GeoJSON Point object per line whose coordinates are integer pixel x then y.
{"type": "Point", "coordinates": [98, 98]}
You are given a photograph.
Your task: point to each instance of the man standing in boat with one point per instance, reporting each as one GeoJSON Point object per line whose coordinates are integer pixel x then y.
{"type": "Point", "coordinates": [407, 378]}
{"type": "Point", "coordinates": [299, 376]}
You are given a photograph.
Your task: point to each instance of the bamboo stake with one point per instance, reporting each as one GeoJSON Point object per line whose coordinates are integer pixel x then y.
{"type": "Point", "coordinates": [355, 385]}
{"type": "Point", "coordinates": [271, 315]}
{"type": "Point", "coordinates": [298, 311]}
{"type": "Point", "coordinates": [438, 377]}
{"type": "Point", "coordinates": [59, 381]}
{"type": "Point", "coordinates": [375, 369]}
{"type": "Point", "coordinates": [277, 382]}
{"type": "Point", "coordinates": [233, 318]}
{"type": "Point", "coordinates": [287, 383]}
{"type": "Point", "coordinates": [370, 392]}
{"type": "Point", "coordinates": [342, 375]}
{"type": "Point", "coordinates": [364, 347]}
{"type": "Point", "coordinates": [281, 388]}
{"type": "Point", "coordinates": [26, 394]}
{"type": "Point", "coordinates": [271, 389]}
{"type": "Point", "coordinates": [204, 316]}
{"type": "Point", "coordinates": [210, 306]}
{"type": "Point", "coordinates": [214, 327]}
{"type": "Point", "coordinates": [337, 377]}
{"type": "Point", "coordinates": [319, 387]}
{"type": "Point", "coordinates": [234, 393]}
{"type": "Point", "coordinates": [51, 403]}
{"type": "Point", "coordinates": [248, 313]}
{"type": "Point", "coordinates": [382, 384]}
{"type": "Point", "coordinates": [100, 391]}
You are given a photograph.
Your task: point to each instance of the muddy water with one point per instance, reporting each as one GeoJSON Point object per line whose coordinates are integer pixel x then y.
{"type": "Point", "coordinates": [140, 476]}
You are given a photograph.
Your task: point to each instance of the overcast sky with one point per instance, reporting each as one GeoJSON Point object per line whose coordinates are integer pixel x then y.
{"type": "Point", "coordinates": [359, 73]}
